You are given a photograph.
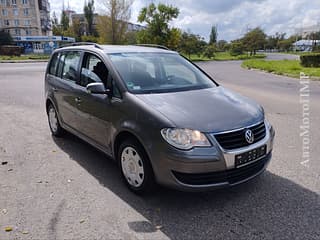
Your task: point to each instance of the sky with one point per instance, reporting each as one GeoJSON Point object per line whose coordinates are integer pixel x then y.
{"type": "Point", "coordinates": [233, 18]}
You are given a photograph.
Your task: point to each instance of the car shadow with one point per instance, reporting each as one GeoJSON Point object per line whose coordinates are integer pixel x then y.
{"type": "Point", "coordinates": [269, 207]}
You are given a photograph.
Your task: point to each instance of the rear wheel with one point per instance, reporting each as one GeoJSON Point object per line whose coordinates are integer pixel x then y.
{"type": "Point", "coordinates": [54, 124]}
{"type": "Point", "coordinates": [135, 167]}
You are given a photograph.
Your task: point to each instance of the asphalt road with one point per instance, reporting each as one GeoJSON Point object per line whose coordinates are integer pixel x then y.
{"type": "Point", "coordinates": [65, 189]}
{"type": "Point", "coordinates": [281, 56]}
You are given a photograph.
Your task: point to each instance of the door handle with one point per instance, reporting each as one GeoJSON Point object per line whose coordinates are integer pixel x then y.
{"type": "Point", "coordinates": [78, 100]}
{"type": "Point", "coordinates": [55, 89]}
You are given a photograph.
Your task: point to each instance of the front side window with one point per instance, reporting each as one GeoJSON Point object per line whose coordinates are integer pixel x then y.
{"type": "Point", "coordinates": [115, 89]}
{"type": "Point", "coordinates": [158, 73]}
{"type": "Point", "coordinates": [93, 70]}
{"type": "Point", "coordinates": [70, 67]}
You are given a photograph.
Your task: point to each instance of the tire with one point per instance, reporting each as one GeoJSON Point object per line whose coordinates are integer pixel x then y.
{"type": "Point", "coordinates": [135, 167]}
{"type": "Point", "coordinates": [54, 123]}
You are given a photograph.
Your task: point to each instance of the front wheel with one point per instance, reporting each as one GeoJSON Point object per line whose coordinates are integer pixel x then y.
{"type": "Point", "coordinates": [135, 167]}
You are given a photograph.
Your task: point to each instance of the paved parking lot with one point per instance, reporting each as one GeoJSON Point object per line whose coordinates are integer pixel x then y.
{"type": "Point", "coordinates": [65, 189]}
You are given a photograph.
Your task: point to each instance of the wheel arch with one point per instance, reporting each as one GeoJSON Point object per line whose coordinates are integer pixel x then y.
{"type": "Point", "coordinates": [122, 136]}
{"type": "Point", "coordinates": [50, 101]}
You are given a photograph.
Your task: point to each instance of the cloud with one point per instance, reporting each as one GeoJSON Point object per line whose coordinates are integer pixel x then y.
{"type": "Point", "coordinates": [232, 17]}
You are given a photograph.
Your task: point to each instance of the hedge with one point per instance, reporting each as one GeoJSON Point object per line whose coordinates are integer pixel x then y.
{"type": "Point", "coordinates": [310, 60]}
{"type": "Point", "coordinates": [10, 50]}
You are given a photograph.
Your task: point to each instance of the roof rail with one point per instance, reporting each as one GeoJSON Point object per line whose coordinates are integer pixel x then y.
{"type": "Point", "coordinates": [153, 45]}
{"type": "Point", "coordinates": [81, 44]}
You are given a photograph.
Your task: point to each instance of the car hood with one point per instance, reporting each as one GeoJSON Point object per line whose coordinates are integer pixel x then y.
{"type": "Point", "coordinates": [207, 110]}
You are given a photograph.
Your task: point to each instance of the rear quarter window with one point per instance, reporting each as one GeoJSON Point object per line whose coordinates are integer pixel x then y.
{"type": "Point", "coordinates": [53, 64]}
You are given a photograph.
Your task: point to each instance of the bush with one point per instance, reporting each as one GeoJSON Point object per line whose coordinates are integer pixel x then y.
{"type": "Point", "coordinates": [316, 48]}
{"type": "Point", "coordinates": [310, 60]}
{"type": "Point", "coordinates": [209, 51]}
{"type": "Point", "coordinates": [236, 49]}
{"type": "Point", "coordinates": [5, 38]}
{"type": "Point", "coordinates": [9, 50]}
{"type": "Point", "coordinates": [92, 39]}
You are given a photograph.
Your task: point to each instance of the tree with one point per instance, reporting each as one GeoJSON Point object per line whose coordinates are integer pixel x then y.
{"type": "Point", "coordinates": [222, 45]}
{"type": "Point", "coordinates": [64, 20]}
{"type": "Point", "coordinates": [157, 19]}
{"type": "Point", "coordinates": [254, 40]}
{"type": "Point", "coordinates": [112, 26]}
{"type": "Point", "coordinates": [272, 42]}
{"type": "Point", "coordinates": [209, 51]}
{"type": "Point", "coordinates": [236, 48]}
{"type": "Point", "coordinates": [56, 28]}
{"type": "Point", "coordinates": [131, 37]}
{"type": "Point", "coordinates": [75, 30]}
{"type": "Point", "coordinates": [191, 44]}
{"type": "Point", "coordinates": [5, 38]}
{"type": "Point", "coordinates": [213, 35]}
{"type": "Point", "coordinates": [174, 39]}
{"type": "Point", "coordinates": [285, 45]}
{"type": "Point", "coordinates": [314, 36]}
{"type": "Point", "coordinates": [88, 10]}
{"type": "Point", "coordinates": [54, 19]}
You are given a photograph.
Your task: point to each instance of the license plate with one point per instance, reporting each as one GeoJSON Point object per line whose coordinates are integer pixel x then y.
{"type": "Point", "coordinates": [250, 156]}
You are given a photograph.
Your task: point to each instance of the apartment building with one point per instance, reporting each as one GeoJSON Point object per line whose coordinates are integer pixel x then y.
{"type": "Point", "coordinates": [81, 19]}
{"type": "Point", "coordinates": [25, 17]}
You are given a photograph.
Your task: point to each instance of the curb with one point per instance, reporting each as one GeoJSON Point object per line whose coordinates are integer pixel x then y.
{"type": "Point", "coordinates": [24, 61]}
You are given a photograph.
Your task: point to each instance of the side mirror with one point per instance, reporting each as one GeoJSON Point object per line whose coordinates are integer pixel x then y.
{"type": "Point", "coordinates": [97, 88]}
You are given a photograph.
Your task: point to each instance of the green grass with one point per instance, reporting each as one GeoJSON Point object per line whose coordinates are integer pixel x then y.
{"type": "Point", "coordinates": [291, 68]}
{"type": "Point", "coordinates": [224, 56]}
{"type": "Point", "coordinates": [25, 57]}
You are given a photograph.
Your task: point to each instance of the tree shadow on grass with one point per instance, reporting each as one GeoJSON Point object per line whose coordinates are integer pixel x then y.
{"type": "Point", "coordinates": [269, 207]}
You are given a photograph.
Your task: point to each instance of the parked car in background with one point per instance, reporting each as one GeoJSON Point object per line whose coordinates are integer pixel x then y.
{"type": "Point", "coordinates": [161, 117]}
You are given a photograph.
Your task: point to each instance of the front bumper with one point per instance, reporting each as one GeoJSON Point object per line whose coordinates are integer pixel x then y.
{"type": "Point", "coordinates": [209, 168]}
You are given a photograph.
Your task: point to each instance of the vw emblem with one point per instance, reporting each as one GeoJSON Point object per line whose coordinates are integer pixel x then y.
{"type": "Point", "coordinates": [249, 136]}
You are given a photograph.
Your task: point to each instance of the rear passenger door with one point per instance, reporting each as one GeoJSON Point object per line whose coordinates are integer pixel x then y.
{"type": "Point", "coordinates": [65, 94]}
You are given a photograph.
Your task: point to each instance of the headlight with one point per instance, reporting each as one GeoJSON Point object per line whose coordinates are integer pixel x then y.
{"type": "Point", "coordinates": [185, 138]}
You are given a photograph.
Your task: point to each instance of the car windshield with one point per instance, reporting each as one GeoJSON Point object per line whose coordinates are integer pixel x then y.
{"type": "Point", "coordinates": [159, 73]}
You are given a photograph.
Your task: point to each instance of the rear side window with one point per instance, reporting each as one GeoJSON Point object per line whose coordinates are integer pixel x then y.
{"type": "Point", "coordinates": [54, 64]}
{"type": "Point", "coordinates": [71, 66]}
{"type": "Point", "coordinates": [60, 64]}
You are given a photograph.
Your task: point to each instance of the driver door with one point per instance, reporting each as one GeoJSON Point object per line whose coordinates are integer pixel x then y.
{"type": "Point", "coordinates": [94, 109]}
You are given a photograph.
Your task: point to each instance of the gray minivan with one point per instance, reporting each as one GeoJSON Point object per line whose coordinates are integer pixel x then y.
{"type": "Point", "coordinates": [161, 117]}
